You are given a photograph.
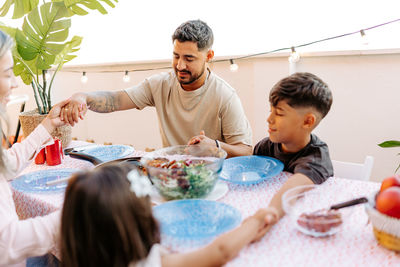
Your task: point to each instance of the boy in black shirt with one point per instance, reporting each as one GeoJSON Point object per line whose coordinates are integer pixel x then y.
{"type": "Point", "coordinates": [298, 104]}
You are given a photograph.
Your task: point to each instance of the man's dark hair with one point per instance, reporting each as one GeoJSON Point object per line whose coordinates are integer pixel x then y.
{"type": "Point", "coordinates": [195, 31]}
{"type": "Point", "coordinates": [303, 89]}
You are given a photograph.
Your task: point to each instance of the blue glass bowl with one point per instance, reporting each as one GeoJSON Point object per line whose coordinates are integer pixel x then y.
{"type": "Point", "coordinates": [35, 182]}
{"type": "Point", "coordinates": [196, 219]}
{"type": "Point", "coordinates": [250, 169]}
{"type": "Point", "coordinates": [109, 152]}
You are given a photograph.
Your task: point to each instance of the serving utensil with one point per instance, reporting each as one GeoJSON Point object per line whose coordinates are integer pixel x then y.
{"type": "Point", "coordinates": [341, 205]}
{"type": "Point", "coordinates": [349, 203]}
{"type": "Point", "coordinates": [74, 153]}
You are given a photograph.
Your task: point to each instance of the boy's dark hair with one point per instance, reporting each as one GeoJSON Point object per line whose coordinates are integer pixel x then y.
{"type": "Point", "coordinates": [303, 89]}
{"type": "Point", "coordinates": [103, 222]}
{"type": "Point", "coordinates": [195, 31]}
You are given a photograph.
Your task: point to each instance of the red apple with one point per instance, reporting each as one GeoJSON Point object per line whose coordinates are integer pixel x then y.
{"type": "Point", "coordinates": [388, 202]}
{"type": "Point", "coordinates": [390, 181]}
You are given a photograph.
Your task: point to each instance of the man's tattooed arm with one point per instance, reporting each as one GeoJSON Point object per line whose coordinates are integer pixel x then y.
{"type": "Point", "coordinates": [103, 102]}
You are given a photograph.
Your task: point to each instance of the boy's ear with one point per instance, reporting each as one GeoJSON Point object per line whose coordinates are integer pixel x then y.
{"type": "Point", "coordinates": [310, 120]}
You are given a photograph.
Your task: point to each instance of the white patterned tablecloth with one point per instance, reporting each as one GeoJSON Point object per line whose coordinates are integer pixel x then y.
{"type": "Point", "coordinates": [30, 205]}
{"type": "Point", "coordinates": [283, 245]}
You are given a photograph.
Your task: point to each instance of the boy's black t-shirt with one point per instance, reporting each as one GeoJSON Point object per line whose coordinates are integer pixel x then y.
{"type": "Point", "coordinates": [313, 160]}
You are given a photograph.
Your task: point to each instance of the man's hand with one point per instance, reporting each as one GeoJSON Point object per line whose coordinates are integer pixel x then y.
{"type": "Point", "coordinates": [53, 119]}
{"type": "Point", "coordinates": [201, 139]}
{"type": "Point", "coordinates": [232, 150]}
{"type": "Point", "coordinates": [75, 109]}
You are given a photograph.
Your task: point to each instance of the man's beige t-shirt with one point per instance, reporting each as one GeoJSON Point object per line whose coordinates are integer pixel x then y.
{"type": "Point", "coordinates": [215, 108]}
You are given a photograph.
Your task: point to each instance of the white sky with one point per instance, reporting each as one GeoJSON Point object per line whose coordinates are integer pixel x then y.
{"type": "Point", "coordinates": [141, 30]}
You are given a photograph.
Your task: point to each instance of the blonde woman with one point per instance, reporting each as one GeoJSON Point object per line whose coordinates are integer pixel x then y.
{"type": "Point", "coordinates": [33, 237]}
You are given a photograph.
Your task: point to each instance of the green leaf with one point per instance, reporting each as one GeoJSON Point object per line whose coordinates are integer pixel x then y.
{"type": "Point", "coordinates": [70, 47]}
{"type": "Point", "coordinates": [78, 11]}
{"type": "Point", "coordinates": [21, 7]}
{"type": "Point", "coordinates": [20, 66]}
{"type": "Point", "coordinates": [9, 30]}
{"type": "Point", "coordinates": [4, 9]}
{"type": "Point", "coordinates": [21, 69]}
{"type": "Point", "coordinates": [75, 6]}
{"type": "Point", "coordinates": [391, 143]}
{"type": "Point", "coordinates": [43, 35]}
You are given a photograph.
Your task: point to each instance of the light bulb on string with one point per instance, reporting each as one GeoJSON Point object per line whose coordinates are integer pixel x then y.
{"type": "Point", "coordinates": [294, 56]}
{"type": "Point", "coordinates": [84, 78]}
{"type": "Point", "coordinates": [364, 38]}
{"type": "Point", "coordinates": [233, 67]}
{"type": "Point", "coordinates": [126, 77]}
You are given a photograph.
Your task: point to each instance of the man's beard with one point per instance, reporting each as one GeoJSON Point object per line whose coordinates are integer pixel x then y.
{"type": "Point", "coordinates": [191, 77]}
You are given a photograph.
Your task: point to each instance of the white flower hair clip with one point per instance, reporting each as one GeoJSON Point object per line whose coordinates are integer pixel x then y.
{"type": "Point", "coordinates": [140, 184]}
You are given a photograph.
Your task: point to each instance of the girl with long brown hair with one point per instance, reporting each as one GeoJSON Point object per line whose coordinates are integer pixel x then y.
{"type": "Point", "coordinates": [104, 223]}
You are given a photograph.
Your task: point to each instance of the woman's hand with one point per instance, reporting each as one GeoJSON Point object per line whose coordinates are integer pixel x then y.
{"type": "Point", "coordinates": [75, 109]}
{"type": "Point", "coordinates": [53, 119]}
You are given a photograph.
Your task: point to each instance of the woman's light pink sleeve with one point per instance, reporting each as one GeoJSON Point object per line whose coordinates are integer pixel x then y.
{"type": "Point", "coordinates": [20, 154]}
{"type": "Point", "coordinates": [26, 238]}
{"type": "Point", "coordinates": [32, 237]}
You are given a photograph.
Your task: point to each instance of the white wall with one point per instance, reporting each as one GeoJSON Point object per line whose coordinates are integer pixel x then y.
{"type": "Point", "coordinates": [364, 112]}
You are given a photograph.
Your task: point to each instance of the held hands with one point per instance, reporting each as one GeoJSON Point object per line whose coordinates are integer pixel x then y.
{"type": "Point", "coordinates": [266, 218]}
{"type": "Point", "coordinates": [74, 110]}
{"type": "Point", "coordinates": [53, 119]}
{"type": "Point", "coordinates": [201, 139]}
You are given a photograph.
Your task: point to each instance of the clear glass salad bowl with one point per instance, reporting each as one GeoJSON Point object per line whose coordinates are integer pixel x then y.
{"type": "Point", "coordinates": [184, 172]}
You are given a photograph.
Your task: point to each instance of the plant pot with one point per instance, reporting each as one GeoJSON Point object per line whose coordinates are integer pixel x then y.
{"type": "Point", "coordinates": [31, 119]}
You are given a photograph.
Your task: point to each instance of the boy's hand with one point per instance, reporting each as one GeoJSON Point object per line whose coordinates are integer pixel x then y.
{"type": "Point", "coordinates": [201, 139]}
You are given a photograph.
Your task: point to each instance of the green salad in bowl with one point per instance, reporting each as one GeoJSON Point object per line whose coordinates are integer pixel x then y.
{"type": "Point", "coordinates": [182, 172]}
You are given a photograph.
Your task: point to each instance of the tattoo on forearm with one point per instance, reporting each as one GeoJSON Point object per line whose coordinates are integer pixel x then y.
{"type": "Point", "coordinates": [103, 102]}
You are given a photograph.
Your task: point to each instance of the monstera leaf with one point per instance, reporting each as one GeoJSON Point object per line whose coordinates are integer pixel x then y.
{"type": "Point", "coordinates": [43, 34]}
{"type": "Point", "coordinates": [25, 69]}
{"type": "Point", "coordinates": [70, 47]}
{"type": "Point", "coordinates": [75, 6]}
{"type": "Point", "coordinates": [21, 7]}
{"type": "Point", "coordinates": [41, 43]}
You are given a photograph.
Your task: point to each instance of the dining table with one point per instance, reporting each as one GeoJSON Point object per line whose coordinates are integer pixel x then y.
{"type": "Point", "coordinates": [283, 245]}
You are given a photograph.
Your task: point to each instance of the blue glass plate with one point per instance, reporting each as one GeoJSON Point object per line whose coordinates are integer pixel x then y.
{"type": "Point", "coordinates": [192, 219]}
{"type": "Point", "coordinates": [250, 169]}
{"type": "Point", "coordinates": [35, 182]}
{"type": "Point", "coordinates": [109, 152]}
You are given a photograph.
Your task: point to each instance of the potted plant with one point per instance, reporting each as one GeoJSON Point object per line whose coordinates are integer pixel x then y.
{"type": "Point", "coordinates": [391, 143]}
{"type": "Point", "coordinates": [42, 44]}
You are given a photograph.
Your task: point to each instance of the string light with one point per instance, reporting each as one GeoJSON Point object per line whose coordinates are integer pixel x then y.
{"type": "Point", "coordinates": [233, 67]}
{"type": "Point", "coordinates": [294, 55]}
{"type": "Point", "coordinates": [84, 78]}
{"type": "Point", "coordinates": [126, 77]}
{"type": "Point", "coordinates": [364, 38]}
